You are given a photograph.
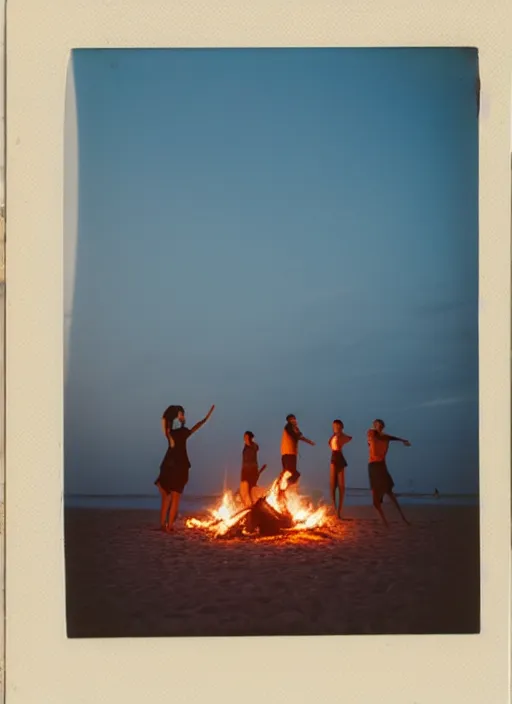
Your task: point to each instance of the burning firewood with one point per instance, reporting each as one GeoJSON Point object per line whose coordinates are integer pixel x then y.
{"type": "Point", "coordinates": [277, 511]}
{"type": "Point", "coordinates": [260, 518]}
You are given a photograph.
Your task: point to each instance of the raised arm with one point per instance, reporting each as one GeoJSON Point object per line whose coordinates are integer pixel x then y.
{"type": "Point", "coordinates": [393, 438]}
{"type": "Point", "coordinates": [345, 438]}
{"type": "Point", "coordinates": [305, 439]}
{"type": "Point", "coordinates": [200, 424]}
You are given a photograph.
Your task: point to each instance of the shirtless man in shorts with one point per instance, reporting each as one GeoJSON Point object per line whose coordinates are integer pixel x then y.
{"type": "Point", "coordinates": [381, 481]}
{"type": "Point", "coordinates": [290, 448]}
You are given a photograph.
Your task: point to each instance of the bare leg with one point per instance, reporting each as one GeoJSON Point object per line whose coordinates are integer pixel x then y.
{"type": "Point", "coordinates": [245, 494]}
{"type": "Point", "coordinates": [395, 501]}
{"type": "Point", "coordinates": [164, 506]}
{"type": "Point", "coordinates": [332, 485]}
{"type": "Point", "coordinates": [175, 504]}
{"type": "Point", "coordinates": [377, 502]}
{"type": "Point", "coordinates": [341, 488]}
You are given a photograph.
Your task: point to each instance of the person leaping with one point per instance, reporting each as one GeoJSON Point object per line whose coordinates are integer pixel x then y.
{"type": "Point", "coordinates": [290, 448]}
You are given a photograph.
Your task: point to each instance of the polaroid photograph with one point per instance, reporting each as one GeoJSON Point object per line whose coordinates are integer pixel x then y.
{"type": "Point", "coordinates": [261, 231]}
{"type": "Point", "coordinates": [258, 335]}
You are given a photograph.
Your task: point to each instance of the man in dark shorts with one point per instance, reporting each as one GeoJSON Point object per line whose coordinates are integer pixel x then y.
{"type": "Point", "coordinates": [381, 481]}
{"type": "Point", "coordinates": [289, 448]}
{"type": "Point", "coordinates": [337, 442]}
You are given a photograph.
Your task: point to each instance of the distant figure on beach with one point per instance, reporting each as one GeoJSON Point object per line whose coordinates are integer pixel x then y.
{"type": "Point", "coordinates": [338, 463]}
{"type": "Point", "coordinates": [250, 470]}
{"type": "Point", "coordinates": [436, 493]}
{"type": "Point", "coordinates": [381, 482]}
{"type": "Point", "coordinates": [174, 470]}
{"type": "Point", "coordinates": [290, 448]}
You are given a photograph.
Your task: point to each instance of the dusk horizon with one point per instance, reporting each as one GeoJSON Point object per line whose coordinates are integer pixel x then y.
{"type": "Point", "coordinates": [274, 232]}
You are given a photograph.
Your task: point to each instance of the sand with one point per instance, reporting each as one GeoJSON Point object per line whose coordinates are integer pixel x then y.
{"type": "Point", "coordinates": [124, 578]}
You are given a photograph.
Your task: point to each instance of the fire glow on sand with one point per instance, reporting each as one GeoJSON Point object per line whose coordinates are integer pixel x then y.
{"type": "Point", "coordinates": [280, 510]}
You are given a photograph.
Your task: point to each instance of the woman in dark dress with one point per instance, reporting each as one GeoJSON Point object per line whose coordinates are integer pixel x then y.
{"type": "Point", "coordinates": [174, 470]}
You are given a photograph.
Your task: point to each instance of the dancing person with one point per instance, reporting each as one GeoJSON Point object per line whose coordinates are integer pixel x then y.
{"type": "Point", "coordinates": [250, 471]}
{"type": "Point", "coordinates": [174, 470]}
{"type": "Point", "coordinates": [290, 448]}
{"type": "Point", "coordinates": [169, 418]}
{"type": "Point", "coordinates": [338, 463]}
{"type": "Point", "coordinates": [381, 481]}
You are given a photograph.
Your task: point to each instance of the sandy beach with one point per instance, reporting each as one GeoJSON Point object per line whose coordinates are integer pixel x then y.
{"type": "Point", "coordinates": [124, 578]}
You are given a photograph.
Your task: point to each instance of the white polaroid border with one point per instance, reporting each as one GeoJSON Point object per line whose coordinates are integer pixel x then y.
{"type": "Point", "coordinates": [42, 665]}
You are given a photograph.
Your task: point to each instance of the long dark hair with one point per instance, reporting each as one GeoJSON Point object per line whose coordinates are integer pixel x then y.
{"type": "Point", "coordinates": [172, 415]}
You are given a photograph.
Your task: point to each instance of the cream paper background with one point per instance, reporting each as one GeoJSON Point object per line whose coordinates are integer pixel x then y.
{"type": "Point", "coordinates": [42, 665]}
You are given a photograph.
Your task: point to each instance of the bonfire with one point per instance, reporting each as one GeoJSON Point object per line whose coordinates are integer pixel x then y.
{"type": "Point", "coordinates": [279, 510]}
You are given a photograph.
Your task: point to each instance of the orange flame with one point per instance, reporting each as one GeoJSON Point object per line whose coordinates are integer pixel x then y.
{"type": "Point", "coordinates": [281, 497]}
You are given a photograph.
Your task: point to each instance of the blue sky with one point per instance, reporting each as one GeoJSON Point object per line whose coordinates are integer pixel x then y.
{"type": "Point", "coordinates": [274, 231]}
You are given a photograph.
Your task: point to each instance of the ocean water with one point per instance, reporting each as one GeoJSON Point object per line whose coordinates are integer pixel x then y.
{"type": "Point", "coordinates": [191, 503]}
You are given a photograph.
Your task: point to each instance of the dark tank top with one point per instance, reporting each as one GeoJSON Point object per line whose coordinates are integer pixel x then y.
{"type": "Point", "coordinates": [250, 455]}
{"type": "Point", "coordinates": [336, 448]}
